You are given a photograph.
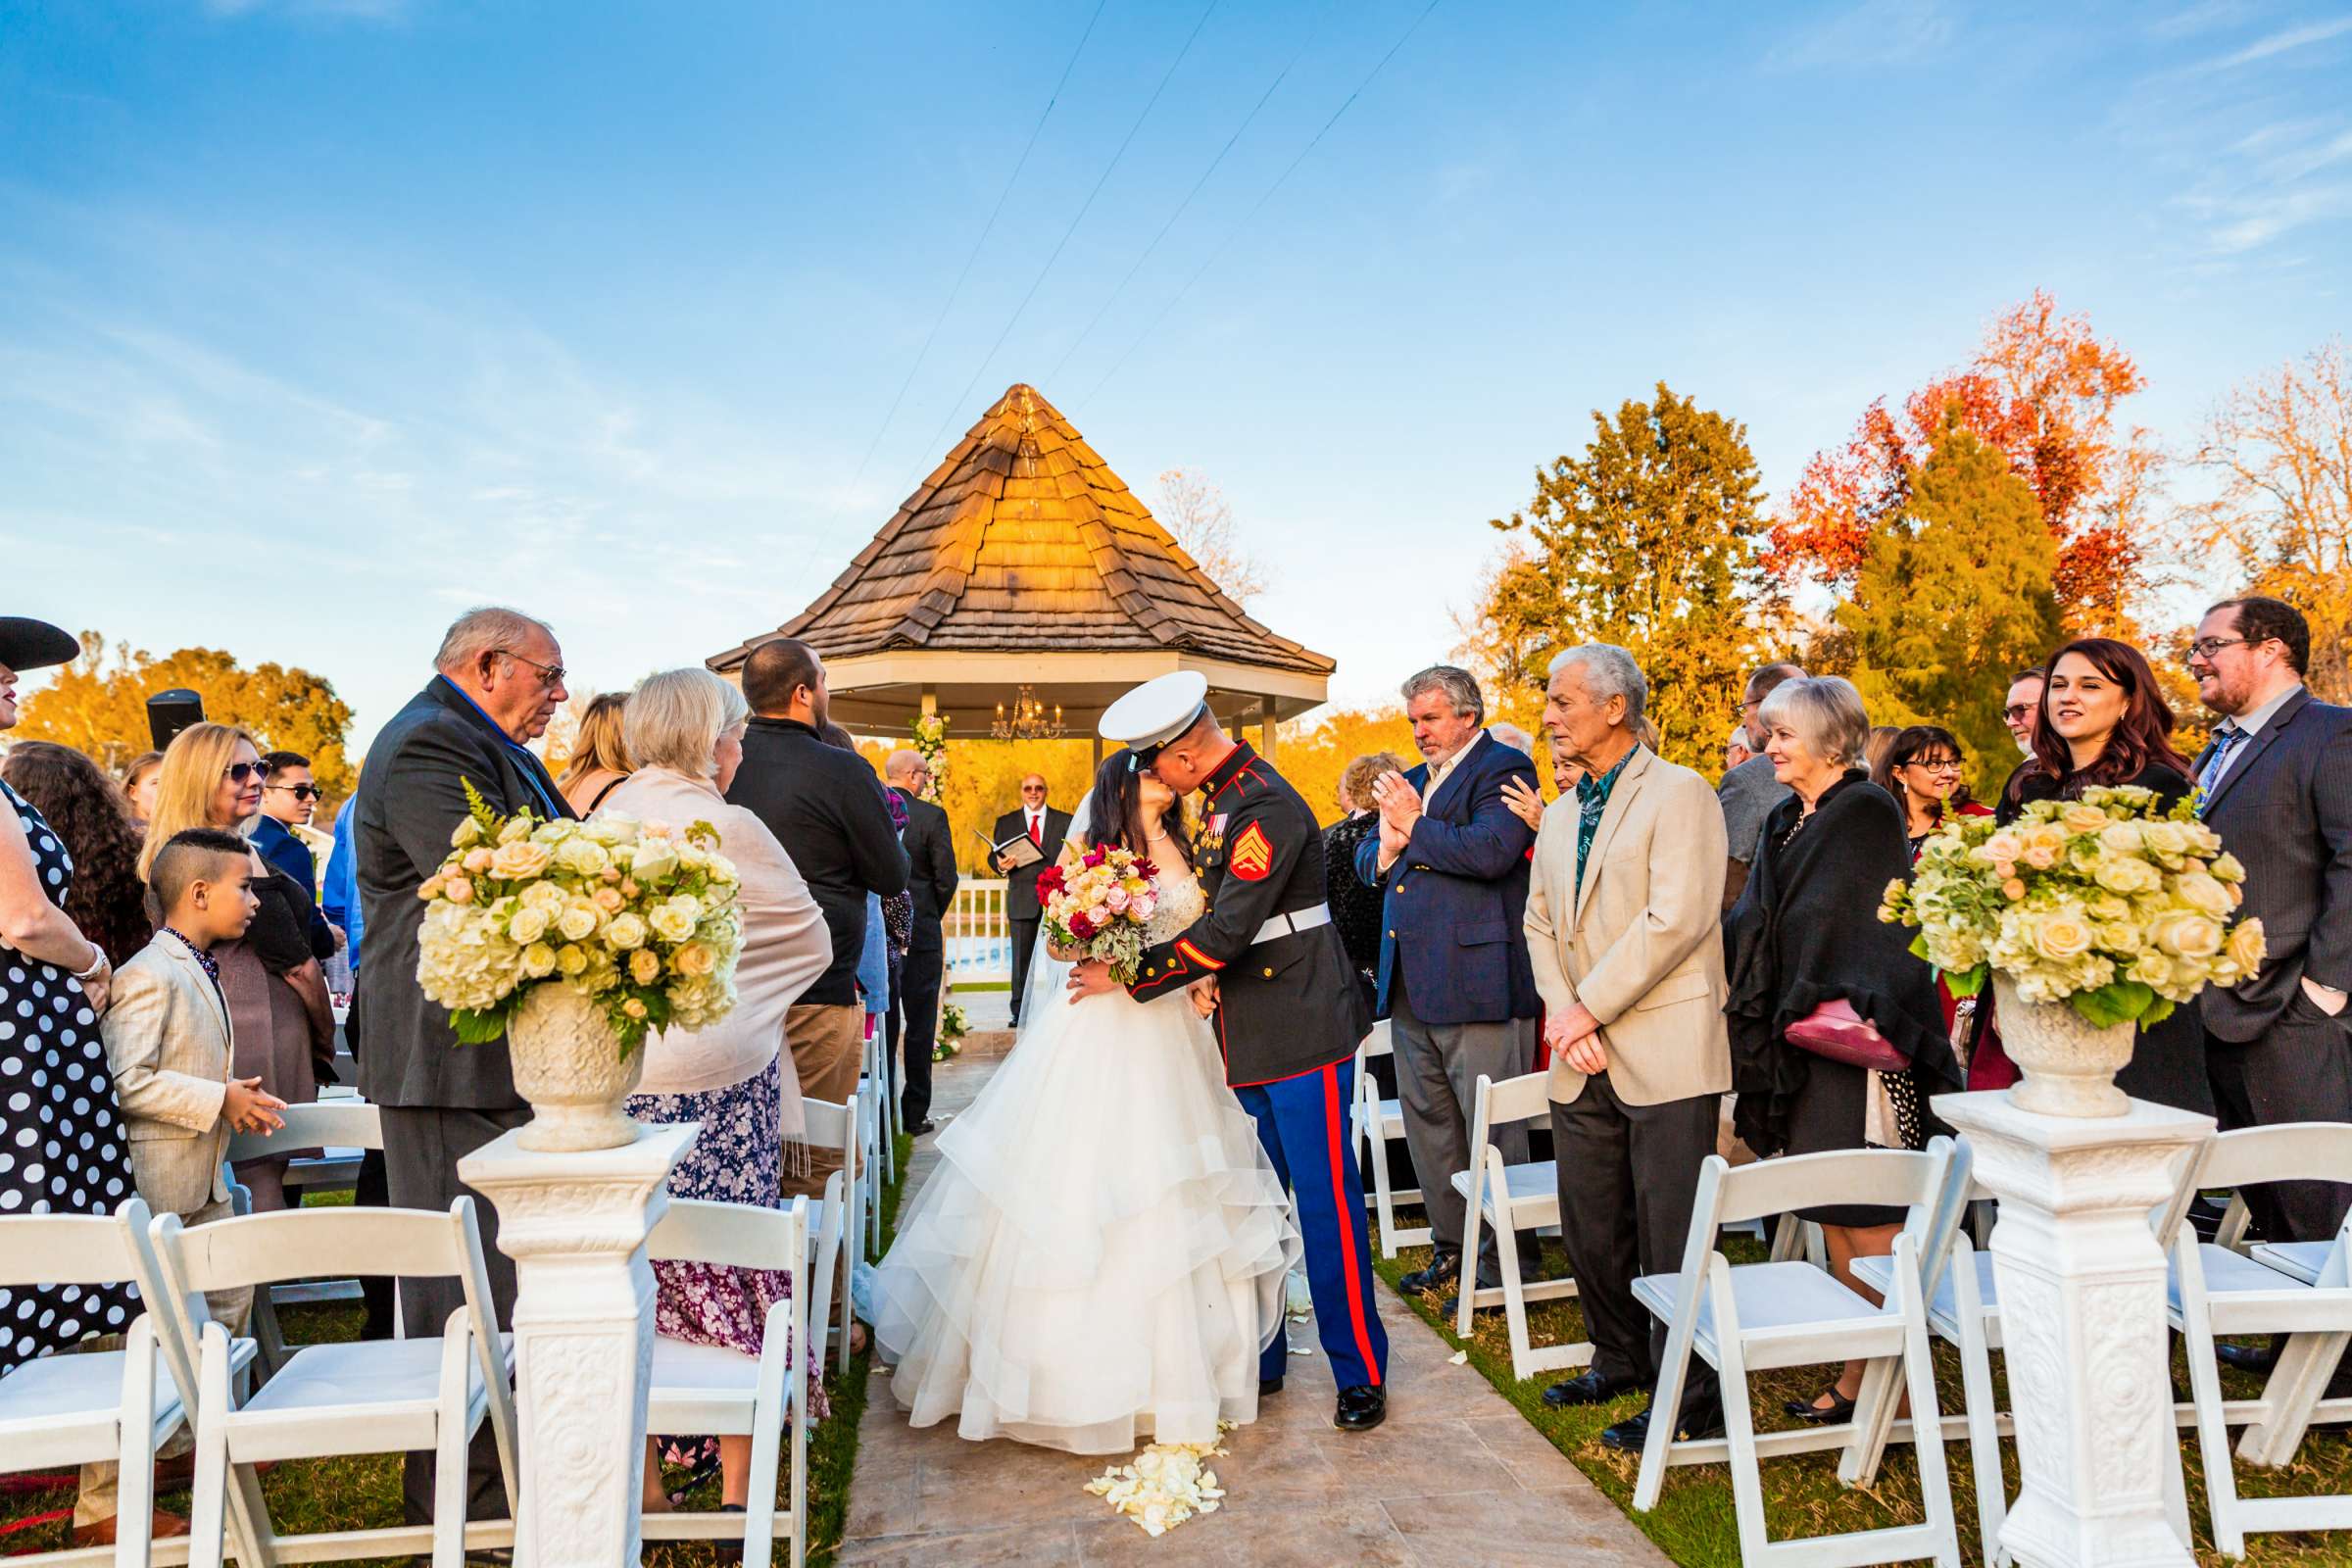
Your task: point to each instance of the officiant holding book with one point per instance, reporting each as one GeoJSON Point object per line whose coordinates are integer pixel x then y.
{"type": "Point", "coordinates": [1045, 828]}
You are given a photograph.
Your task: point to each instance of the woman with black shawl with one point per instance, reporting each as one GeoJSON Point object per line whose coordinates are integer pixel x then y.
{"type": "Point", "coordinates": [1806, 931]}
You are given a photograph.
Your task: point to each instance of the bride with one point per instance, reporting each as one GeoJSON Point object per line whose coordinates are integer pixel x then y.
{"type": "Point", "coordinates": [1102, 1253]}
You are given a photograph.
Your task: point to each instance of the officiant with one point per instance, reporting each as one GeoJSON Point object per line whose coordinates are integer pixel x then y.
{"type": "Point", "coordinates": [1045, 828]}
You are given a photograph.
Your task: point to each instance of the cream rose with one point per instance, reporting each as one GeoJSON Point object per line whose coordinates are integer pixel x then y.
{"type": "Point", "coordinates": [2122, 838]}
{"type": "Point", "coordinates": [655, 859]}
{"type": "Point", "coordinates": [645, 967]}
{"type": "Point", "coordinates": [2080, 818]}
{"type": "Point", "coordinates": [2152, 970]}
{"type": "Point", "coordinates": [627, 931]}
{"type": "Point", "coordinates": [583, 857]}
{"type": "Point", "coordinates": [2062, 935]}
{"type": "Point", "coordinates": [520, 860]}
{"type": "Point", "coordinates": [573, 961]}
{"type": "Point", "coordinates": [515, 830]}
{"type": "Point", "coordinates": [467, 833]}
{"type": "Point", "coordinates": [2228, 867]}
{"type": "Point", "coordinates": [613, 827]}
{"type": "Point", "coordinates": [695, 959]}
{"type": "Point", "coordinates": [538, 960]}
{"type": "Point", "coordinates": [2199, 890]}
{"type": "Point", "coordinates": [2188, 935]}
{"type": "Point", "coordinates": [577, 922]}
{"type": "Point", "coordinates": [2248, 946]}
{"type": "Point", "coordinates": [672, 924]}
{"type": "Point", "coordinates": [2126, 876]}
{"type": "Point", "coordinates": [528, 926]}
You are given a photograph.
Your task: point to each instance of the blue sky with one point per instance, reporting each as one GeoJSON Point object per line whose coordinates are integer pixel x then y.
{"type": "Point", "coordinates": [323, 318]}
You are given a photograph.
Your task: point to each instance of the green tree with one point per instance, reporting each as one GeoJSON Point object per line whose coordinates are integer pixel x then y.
{"type": "Point", "coordinates": [1648, 541]}
{"type": "Point", "coordinates": [1956, 593]}
{"type": "Point", "coordinates": [98, 705]}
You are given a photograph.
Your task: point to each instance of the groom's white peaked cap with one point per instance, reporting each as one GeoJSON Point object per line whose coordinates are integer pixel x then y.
{"type": "Point", "coordinates": [1156, 713]}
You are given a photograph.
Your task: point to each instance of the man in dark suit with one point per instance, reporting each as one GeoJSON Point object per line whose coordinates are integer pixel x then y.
{"type": "Point", "coordinates": [501, 678]}
{"type": "Point", "coordinates": [289, 799]}
{"type": "Point", "coordinates": [931, 878]}
{"type": "Point", "coordinates": [1450, 859]}
{"type": "Point", "coordinates": [1045, 827]}
{"type": "Point", "coordinates": [2275, 782]}
{"type": "Point", "coordinates": [826, 806]}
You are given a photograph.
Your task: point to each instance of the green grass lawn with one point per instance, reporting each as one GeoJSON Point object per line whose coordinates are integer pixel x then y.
{"type": "Point", "coordinates": [1693, 1523]}
{"type": "Point", "coordinates": [363, 1493]}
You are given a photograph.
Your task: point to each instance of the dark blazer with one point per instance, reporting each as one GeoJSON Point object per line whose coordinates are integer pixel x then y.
{"type": "Point", "coordinates": [1454, 900]}
{"type": "Point", "coordinates": [931, 865]}
{"type": "Point", "coordinates": [412, 795]}
{"type": "Point", "coordinates": [1020, 886]}
{"type": "Point", "coordinates": [826, 808]}
{"type": "Point", "coordinates": [1288, 1005]}
{"type": "Point", "coordinates": [2285, 809]}
{"type": "Point", "coordinates": [281, 848]}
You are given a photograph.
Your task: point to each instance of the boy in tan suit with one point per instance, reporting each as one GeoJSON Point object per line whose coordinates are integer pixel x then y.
{"type": "Point", "coordinates": [168, 1045]}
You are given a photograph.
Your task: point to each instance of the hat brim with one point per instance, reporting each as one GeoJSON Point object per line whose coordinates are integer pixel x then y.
{"type": "Point", "coordinates": [28, 644]}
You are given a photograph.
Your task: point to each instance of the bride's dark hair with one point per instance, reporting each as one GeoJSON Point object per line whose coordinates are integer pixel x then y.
{"type": "Point", "coordinates": [1117, 813]}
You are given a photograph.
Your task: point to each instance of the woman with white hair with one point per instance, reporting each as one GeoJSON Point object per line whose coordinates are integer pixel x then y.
{"type": "Point", "coordinates": [684, 731]}
{"type": "Point", "coordinates": [1811, 965]}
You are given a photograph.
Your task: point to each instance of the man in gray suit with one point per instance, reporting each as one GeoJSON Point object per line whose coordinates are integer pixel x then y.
{"type": "Point", "coordinates": [500, 679]}
{"type": "Point", "coordinates": [2275, 782]}
{"type": "Point", "coordinates": [1750, 790]}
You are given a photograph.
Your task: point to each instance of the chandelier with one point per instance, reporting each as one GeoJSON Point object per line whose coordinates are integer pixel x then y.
{"type": "Point", "coordinates": [1028, 720]}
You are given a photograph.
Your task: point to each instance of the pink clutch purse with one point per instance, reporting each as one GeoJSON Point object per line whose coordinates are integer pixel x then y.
{"type": "Point", "coordinates": [1836, 1031]}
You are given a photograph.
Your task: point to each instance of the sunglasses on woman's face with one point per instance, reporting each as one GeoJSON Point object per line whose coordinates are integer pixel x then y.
{"type": "Point", "coordinates": [239, 772]}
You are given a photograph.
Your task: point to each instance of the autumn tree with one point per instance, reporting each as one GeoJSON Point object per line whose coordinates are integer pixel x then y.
{"type": "Point", "coordinates": [2042, 391]}
{"type": "Point", "coordinates": [98, 705]}
{"type": "Point", "coordinates": [1315, 753]}
{"type": "Point", "coordinates": [1200, 517]}
{"type": "Point", "coordinates": [1956, 592]}
{"type": "Point", "coordinates": [2281, 446]}
{"type": "Point", "coordinates": [1648, 541]}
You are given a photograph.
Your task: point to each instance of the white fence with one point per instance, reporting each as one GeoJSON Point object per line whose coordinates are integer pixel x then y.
{"type": "Point", "coordinates": [979, 938]}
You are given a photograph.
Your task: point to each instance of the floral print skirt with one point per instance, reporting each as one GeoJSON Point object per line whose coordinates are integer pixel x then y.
{"type": "Point", "coordinates": [738, 1158]}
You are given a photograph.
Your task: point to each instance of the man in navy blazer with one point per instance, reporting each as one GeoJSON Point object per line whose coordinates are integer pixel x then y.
{"type": "Point", "coordinates": [1450, 859]}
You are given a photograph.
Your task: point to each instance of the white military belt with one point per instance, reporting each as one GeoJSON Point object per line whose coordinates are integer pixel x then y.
{"type": "Point", "coordinates": [1290, 924]}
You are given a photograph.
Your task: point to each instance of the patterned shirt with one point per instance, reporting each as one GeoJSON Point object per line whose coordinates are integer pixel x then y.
{"type": "Point", "coordinates": [1592, 801]}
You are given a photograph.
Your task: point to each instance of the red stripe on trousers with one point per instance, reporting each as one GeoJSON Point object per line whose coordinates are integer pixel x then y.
{"type": "Point", "coordinates": [1338, 1209]}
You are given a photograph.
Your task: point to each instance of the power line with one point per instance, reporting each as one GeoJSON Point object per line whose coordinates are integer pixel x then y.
{"type": "Point", "coordinates": [986, 229]}
{"type": "Point", "coordinates": [958, 408]}
{"type": "Point", "coordinates": [1235, 232]}
{"type": "Point", "coordinates": [1181, 207]}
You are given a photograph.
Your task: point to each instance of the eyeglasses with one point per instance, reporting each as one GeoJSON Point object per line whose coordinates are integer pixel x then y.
{"type": "Point", "coordinates": [301, 792]}
{"type": "Point", "coordinates": [550, 675]}
{"type": "Point", "coordinates": [2206, 647]}
{"type": "Point", "coordinates": [1033, 788]}
{"type": "Point", "coordinates": [2016, 710]}
{"type": "Point", "coordinates": [239, 772]}
{"type": "Point", "coordinates": [1941, 764]}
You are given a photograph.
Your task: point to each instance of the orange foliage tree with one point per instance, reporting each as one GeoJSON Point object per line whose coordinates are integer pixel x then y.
{"type": "Point", "coordinates": [2042, 390]}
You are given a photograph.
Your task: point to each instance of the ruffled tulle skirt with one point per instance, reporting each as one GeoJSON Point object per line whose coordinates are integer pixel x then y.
{"type": "Point", "coordinates": [1100, 1254]}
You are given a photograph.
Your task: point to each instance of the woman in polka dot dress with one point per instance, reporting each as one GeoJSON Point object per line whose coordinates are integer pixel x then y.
{"type": "Point", "coordinates": [63, 1149]}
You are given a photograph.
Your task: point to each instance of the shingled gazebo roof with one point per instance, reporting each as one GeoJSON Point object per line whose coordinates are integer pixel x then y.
{"type": "Point", "coordinates": [1025, 544]}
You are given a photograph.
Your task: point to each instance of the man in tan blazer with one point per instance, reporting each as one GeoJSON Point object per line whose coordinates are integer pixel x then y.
{"type": "Point", "coordinates": [1623, 931]}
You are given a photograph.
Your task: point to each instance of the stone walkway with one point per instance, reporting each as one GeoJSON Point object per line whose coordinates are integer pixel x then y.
{"type": "Point", "coordinates": [1456, 1479]}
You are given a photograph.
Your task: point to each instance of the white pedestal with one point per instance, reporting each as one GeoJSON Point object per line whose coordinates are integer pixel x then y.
{"type": "Point", "coordinates": [2081, 1285]}
{"type": "Point", "coordinates": [575, 1225]}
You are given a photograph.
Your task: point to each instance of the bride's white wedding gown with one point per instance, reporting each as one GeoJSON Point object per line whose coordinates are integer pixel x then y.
{"type": "Point", "coordinates": [1101, 1251]}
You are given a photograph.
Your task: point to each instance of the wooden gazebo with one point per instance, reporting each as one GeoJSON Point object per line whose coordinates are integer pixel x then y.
{"type": "Point", "coordinates": [1024, 561]}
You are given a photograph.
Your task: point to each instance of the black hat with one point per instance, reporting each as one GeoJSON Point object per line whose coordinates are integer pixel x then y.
{"type": "Point", "coordinates": [28, 644]}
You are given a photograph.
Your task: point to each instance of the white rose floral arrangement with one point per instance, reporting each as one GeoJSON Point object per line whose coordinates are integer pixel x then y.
{"type": "Point", "coordinates": [2106, 902]}
{"type": "Point", "coordinates": [639, 917]}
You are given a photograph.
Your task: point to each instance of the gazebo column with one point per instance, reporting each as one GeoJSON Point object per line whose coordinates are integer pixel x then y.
{"type": "Point", "coordinates": [1267, 726]}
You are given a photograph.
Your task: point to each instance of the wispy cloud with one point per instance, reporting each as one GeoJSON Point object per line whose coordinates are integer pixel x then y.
{"type": "Point", "coordinates": [2209, 16]}
{"type": "Point", "coordinates": [1876, 33]}
{"type": "Point", "coordinates": [2281, 43]}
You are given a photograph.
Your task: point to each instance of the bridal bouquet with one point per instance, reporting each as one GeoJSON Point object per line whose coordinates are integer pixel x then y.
{"type": "Point", "coordinates": [2104, 903]}
{"type": "Point", "coordinates": [1097, 905]}
{"type": "Point", "coordinates": [638, 917]}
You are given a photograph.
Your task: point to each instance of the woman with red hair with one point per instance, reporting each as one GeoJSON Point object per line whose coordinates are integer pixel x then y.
{"type": "Point", "coordinates": [2103, 721]}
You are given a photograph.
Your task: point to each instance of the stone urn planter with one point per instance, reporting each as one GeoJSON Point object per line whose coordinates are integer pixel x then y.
{"type": "Point", "coordinates": [2069, 1063]}
{"type": "Point", "coordinates": [568, 1063]}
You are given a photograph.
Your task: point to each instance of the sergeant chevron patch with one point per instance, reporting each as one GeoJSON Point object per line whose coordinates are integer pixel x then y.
{"type": "Point", "coordinates": [1251, 857]}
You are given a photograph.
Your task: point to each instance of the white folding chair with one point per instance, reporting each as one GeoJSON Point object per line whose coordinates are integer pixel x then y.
{"type": "Point", "coordinates": [873, 1082]}
{"type": "Point", "coordinates": [1964, 1310]}
{"type": "Point", "coordinates": [2216, 1291]}
{"type": "Point", "coordinates": [1759, 1316]}
{"type": "Point", "coordinates": [699, 1389]}
{"type": "Point", "coordinates": [76, 1408]}
{"type": "Point", "coordinates": [369, 1397]}
{"type": "Point", "coordinates": [342, 1130]}
{"type": "Point", "coordinates": [842, 1221]}
{"type": "Point", "coordinates": [1510, 1198]}
{"type": "Point", "coordinates": [1375, 1123]}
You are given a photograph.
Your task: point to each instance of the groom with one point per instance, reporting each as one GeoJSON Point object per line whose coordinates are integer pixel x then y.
{"type": "Point", "coordinates": [1289, 1014]}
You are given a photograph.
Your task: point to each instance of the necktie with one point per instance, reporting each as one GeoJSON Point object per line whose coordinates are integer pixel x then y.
{"type": "Point", "coordinates": [1037, 833]}
{"type": "Point", "coordinates": [2225, 741]}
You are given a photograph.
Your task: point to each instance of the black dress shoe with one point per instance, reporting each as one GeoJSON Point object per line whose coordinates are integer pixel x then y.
{"type": "Point", "coordinates": [1360, 1408]}
{"type": "Point", "coordinates": [1266, 1385]}
{"type": "Point", "coordinates": [2260, 1359]}
{"type": "Point", "coordinates": [1443, 1270]}
{"type": "Point", "coordinates": [1838, 1410]}
{"type": "Point", "coordinates": [1700, 1420]}
{"type": "Point", "coordinates": [917, 1129]}
{"type": "Point", "coordinates": [1588, 1388]}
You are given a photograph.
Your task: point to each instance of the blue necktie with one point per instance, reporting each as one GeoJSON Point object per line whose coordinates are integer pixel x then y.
{"type": "Point", "coordinates": [2225, 742]}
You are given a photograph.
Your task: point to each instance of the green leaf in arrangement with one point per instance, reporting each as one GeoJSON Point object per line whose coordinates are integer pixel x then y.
{"type": "Point", "coordinates": [2117, 1002]}
{"type": "Point", "coordinates": [478, 1028]}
